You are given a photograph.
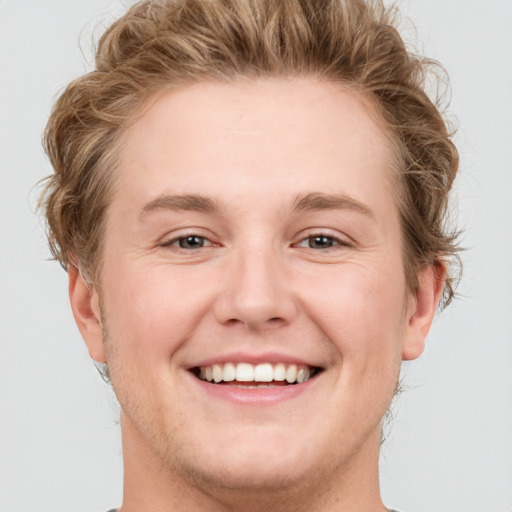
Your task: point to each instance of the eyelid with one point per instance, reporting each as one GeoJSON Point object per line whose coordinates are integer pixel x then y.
{"type": "Point", "coordinates": [341, 240]}
{"type": "Point", "coordinates": [174, 242]}
{"type": "Point", "coordinates": [171, 238]}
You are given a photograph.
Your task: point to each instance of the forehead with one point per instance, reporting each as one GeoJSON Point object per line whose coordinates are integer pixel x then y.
{"type": "Point", "coordinates": [254, 137]}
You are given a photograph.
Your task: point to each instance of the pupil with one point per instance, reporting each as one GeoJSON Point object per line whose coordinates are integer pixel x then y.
{"type": "Point", "coordinates": [320, 242]}
{"type": "Point", "coordinates": [191, 242]}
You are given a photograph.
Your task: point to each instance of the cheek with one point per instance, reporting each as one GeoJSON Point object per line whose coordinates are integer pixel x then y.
{"type": "Point", "coordinates": [152, 311]}
{"type": "Point", "coordinates": [360, 309]}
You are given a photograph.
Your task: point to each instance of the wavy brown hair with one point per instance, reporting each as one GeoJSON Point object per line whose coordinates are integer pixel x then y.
{"type": "Point", "coordinates": [162, 43]}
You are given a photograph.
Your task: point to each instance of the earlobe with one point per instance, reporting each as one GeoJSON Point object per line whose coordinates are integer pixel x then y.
{"type": "Point", "coordinates": [85, 305]}
{"type": "Point", "coordinates": [422, 309]}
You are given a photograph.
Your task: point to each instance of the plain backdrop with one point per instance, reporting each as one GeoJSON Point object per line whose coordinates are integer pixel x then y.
{"type": "Point", "coordinates": [449, 446]}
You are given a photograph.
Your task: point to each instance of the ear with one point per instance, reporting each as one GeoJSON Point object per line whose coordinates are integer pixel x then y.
{"type": "Point", "coordinates": [422, 308]}
{"type": "Point", "coordinates": [86, 310]}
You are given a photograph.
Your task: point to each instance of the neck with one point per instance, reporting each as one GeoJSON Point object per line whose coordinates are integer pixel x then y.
{"type": "Point", "coordinates": [151, 485]}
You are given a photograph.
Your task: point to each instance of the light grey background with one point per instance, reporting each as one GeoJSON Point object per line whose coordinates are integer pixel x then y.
{"type": "Point", "coordinates": [450, 446]}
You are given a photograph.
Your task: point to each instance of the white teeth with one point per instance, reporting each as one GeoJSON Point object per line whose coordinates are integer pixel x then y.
{"type": "Point", "coordinates": [255, 386]}
{"type": "Point", "coordinates": [244, 372]}
{"type": "Point", "coordinates": [264, 373]}
{"type": "Point", "coordinates": [291, 373]}
{"type": "Point", "coordinates": [217, 372]}
{"type": "Point", "coordinates": [303, 375]}
{"type": "Point", "coordinates": [260, 373]}
{"type": "Point", "coordinates": [229, 372]}
{"type": "Point", "coordinates": [279, 372]}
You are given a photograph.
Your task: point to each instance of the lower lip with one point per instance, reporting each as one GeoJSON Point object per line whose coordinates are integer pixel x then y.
{"type": "Point", "coordinates": [256, 396]}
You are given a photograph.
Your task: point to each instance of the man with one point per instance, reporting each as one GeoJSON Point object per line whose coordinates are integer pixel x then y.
{"type": "Point", "coordinates": [250, 199]}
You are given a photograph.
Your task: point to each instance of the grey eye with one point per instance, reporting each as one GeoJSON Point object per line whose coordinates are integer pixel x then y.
{"type": "Point", "coordinates": [320, 242]}
{"type": "Point", "coordinates": [191, 242]}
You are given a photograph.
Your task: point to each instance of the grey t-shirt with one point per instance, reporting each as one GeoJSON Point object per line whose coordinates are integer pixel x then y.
{"type": "Point", "coordinates": [117, 510]}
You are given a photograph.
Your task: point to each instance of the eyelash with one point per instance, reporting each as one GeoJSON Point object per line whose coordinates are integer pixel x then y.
{"type": "Point", "coordinates": [329, 239]}
{"type": "Point", "coordinates": [333, 240]}
{"type": "Point", "coordinates": [176, 242]}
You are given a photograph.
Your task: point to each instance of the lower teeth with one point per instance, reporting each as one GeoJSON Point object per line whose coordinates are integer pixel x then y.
{"type": "Point", "coordinates": [248, 386]}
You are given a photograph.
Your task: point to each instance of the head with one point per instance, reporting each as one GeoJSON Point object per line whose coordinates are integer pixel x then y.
{"type": "Point", "coordinates": [263, 180]}
{"type": "Point", "coordinates": [164, 44]}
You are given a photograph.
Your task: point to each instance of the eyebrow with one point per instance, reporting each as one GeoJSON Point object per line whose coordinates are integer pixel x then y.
{"type": "Point", "coordinates": [190, 202]}
{"type": "Point", "coordinates": [303, 202]}
{"type": "Point", "coordinates": [320, 201]}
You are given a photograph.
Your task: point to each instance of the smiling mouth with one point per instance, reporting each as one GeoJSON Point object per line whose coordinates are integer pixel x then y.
{"type": "Point", "coordinates": [248, 376]}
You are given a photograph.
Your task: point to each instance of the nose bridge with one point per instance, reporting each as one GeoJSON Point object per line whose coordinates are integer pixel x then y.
{"type": "Point", "coordinates": [256, 292]}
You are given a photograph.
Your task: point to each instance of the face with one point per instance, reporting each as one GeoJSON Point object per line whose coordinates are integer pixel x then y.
{"type": "Point", "coordinates": [253, 297]}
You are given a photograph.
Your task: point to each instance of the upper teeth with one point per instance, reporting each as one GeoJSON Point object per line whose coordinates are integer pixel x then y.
{"type": "Point", "coordinates": [245, 372]}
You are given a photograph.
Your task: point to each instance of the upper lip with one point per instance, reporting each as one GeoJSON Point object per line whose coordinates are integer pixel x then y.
{"type": "Point", "coordinates": [253, 358]}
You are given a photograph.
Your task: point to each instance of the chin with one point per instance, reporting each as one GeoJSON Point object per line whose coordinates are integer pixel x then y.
{"type": "Point", "coordinates": [258, 463]}
{"type": "Point", "coordinates": [248, 475]}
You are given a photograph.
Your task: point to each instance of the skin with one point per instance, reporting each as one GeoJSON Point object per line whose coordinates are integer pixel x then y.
{"type": "Point", "coordinates": [257, 283]}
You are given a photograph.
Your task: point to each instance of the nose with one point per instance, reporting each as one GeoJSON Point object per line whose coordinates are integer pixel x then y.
{"type": "Point", "coordinates": [257, 291]}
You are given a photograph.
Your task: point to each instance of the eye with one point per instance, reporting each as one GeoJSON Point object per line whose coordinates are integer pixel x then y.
{"type": "Point", "coordinates": [189, 242]}
{"type": "Point", "coordinates": [321, 241]}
